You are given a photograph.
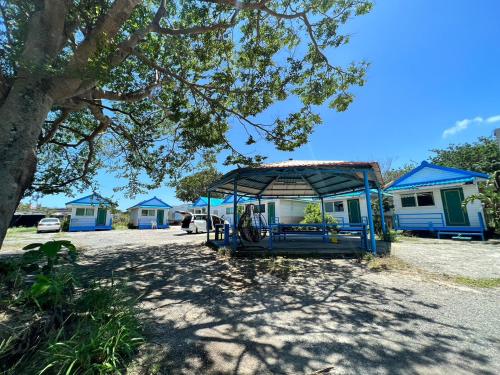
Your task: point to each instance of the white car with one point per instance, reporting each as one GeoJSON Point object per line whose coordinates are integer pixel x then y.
{"type": "Point", "coordinates": [197, 223]}
{"type": "Point", "coordinates": [50, 224]}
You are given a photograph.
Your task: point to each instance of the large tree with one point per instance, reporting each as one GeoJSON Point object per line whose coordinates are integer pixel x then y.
{"type": "Point", "coordinates": [482, 155]}
{"type": "Point", "coordinates": [144, 88]}
{"type": "Point", "coordinates": [191, 187]}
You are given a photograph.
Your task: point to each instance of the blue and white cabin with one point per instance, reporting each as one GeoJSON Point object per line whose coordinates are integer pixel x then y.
{"type": "Point", "coordinates": [349, 208]}
{"type": "Point", "coordinates": [279, 210]}
{"type": "Point", "coordinates": [429, 198]}
{"type": "Point", "coordinates": [200, 206]}
{"type": "Point", "coordinates": [149, 214]}
{"type": "Point", "coordinates": [90, 213]}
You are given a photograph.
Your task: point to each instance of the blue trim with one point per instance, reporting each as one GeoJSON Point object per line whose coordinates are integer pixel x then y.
{"type": "Point", "coordinates": [425, 164]}
{"type": "Point", "coordinates": [82, 229]}
{"type": "Point", "coordinates": [142, 204]}
{"type": "Point", "coordinates": [103, 227]}
{"type": "Point", "coordinates": [373, 241]}
{"type": "Point", "coordinates": [203, 202]}
{"type": "Point", "coordinates": [432, 183]}
{"type": "Point", "coordinates": [99, 200]}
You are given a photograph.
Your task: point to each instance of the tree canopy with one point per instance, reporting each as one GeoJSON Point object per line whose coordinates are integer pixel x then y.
{"type": "Point", "coordinates": [146, 88]}
{"type": "Point", "coordinates": [189, 188]}
{"type": "Point", "coordinates": [482, 155]}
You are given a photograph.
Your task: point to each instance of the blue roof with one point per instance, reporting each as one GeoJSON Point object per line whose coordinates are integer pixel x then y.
{"type": "Point", "coordinates": [356, 194]}
{"type": "Point", "coordinates": [229, 199]}
{"type": "Point", "coordinates": [203, 202]}
{"type": "Point", "coordinates": [434, 183]}
{"type": "Point", "coordinates": [91, 200]}
{"type": "Point", "coordinates": [427, 174]}
{"type": "Point", "coordinates": [152, 203]}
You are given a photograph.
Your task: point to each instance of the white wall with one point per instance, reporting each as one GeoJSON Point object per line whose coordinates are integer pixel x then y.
{"type": "Point", "coordinates": [473, 208]}
{"type": "Point", "coordinates": [136, 217]}
{"type": "Point", "coordinates": [345, 214]}
{"type": "Point", "coordinates": [88, 220]}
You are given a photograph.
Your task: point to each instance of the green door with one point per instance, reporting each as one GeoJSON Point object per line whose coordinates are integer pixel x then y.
{"type": "Point", "coordinates": [354, 211]}
{"type": "Point", "coordinates": [271, 213]}
{"type": "Point", "coordinates": [454, 213]}
{"type": "Point", "coordinates": [101, 216]}
{"type": "Point", "coordinates": [159, 217]}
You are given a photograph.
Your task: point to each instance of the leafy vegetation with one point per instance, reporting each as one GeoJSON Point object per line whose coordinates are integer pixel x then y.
{"type": "Point", "coordinates": [480, 156]}
{"type": "Point", "coordinates": [190, 188]}
{"type": "Point", "coordinates": [56, 326]}
{"type": "Point", "coordinates": [312, 215]}
{"type": "Point", "coordinates": [489, 196]}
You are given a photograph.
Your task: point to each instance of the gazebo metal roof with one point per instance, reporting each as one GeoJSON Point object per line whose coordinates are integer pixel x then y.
{"type": "Point", "coordinates": [297, 178]}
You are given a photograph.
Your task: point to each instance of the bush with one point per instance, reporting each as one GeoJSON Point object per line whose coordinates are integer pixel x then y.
{"type": "Point", "coordinates": [102, 337]}
{"type": "Point", "coordinates": [312, 215]}
{"type": "Point", "coordinates": [55, 328]}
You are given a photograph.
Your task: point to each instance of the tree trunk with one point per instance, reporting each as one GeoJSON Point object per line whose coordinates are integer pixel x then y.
{"type": "Point", "coordinates": [21, 117]}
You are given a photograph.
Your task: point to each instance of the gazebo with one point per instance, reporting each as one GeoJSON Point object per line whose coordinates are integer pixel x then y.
{"type": "Point", "coordinates": [302, 179]}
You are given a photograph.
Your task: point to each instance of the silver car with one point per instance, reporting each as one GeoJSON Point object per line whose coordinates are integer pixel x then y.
{"type": "Point", "coordinates": [50, 224]}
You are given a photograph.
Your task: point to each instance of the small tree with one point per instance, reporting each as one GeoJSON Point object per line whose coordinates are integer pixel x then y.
{"type": "Point", "coordinates": [312, 215]}
{"type": "Point", "coordinates": [190, 188]}
{"type": "Point", "coordinates": [489, 196]}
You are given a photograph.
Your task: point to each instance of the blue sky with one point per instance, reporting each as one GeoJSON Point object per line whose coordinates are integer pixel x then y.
{"type": "Point", "coordinates": [434, 66]}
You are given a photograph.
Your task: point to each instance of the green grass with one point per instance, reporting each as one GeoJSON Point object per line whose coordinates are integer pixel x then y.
{"type": "Point", "coordinates": [20, 230]}
{"type": "Point", "coordinates": [477, 283]}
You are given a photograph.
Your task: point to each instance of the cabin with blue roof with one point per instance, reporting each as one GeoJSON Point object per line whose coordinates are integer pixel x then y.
{"type": "Point", "coordinates": [200, 206]}
{"type": "Point", "coordinates": [273, 210]}
{"type": "Point", "coordinates": [149, 214]}
{"type": "Point", "coordinates": [349, 208]}
{"type": "Point", "coordinates": [90, 213]}
{"type": "Point", "coordinates": [430, 197]}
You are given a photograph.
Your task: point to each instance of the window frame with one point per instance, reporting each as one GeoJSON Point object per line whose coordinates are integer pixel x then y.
{"type": "Point", "coordinates": [328, 205]}
{"type": "Point", "coordinates": [147, 210]}
{"type": "Point", "coordinates": [87, 211]}
{"type": "Point", "coordinates": [338, 203]}
{"type": "Point", "coordinates": [414, 196]}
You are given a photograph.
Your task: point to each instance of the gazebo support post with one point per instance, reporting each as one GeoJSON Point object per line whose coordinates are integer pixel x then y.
{"type": "Point", "coordinates": [209, 217]}
{"type": "Point", "coordinates": [235, 216]}
{"type": "Point", "coordinates": [370, 213]}
{"type": "Point", "coordinates": [382, 218]}
{"type": "Point", "coordinates": [323, 222]}
{"type": "Point", "coordinates": [260, 218]}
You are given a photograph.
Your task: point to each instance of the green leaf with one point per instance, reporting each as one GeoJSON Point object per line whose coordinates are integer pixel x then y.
{"type": "Point", "coordinates": [32, 246]}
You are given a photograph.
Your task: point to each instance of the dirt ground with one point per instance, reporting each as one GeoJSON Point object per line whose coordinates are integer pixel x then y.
{"type": "Point", "coordinates": [206, 314]}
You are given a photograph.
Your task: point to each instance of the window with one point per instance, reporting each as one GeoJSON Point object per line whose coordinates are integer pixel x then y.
{"type": "Point", "coordinates": [147, 212]}
{"type": "Point", "coordinates": [84, 212]}
{"type": "Point", "coordinates": [408, 200]}
{"type": "Point", "coordinates": [425, 199]}
{"type": "Point", "coordinates": [329, 206]}
{"type": "Point", "coordinates": [229, 210]}
{"type": "Point", "coordinates": [260, 209]}
{"type": "Point", "coordinates": [339, 206]}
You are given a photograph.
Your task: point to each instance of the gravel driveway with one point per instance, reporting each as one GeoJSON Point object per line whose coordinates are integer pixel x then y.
{"type": "Point", "coordinates": [472, 259]}
{"type": "Point", "coordinates": [205, 314]}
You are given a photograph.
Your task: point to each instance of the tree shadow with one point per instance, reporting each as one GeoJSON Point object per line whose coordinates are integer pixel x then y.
{"type": "Point", "coordinates": [207, 314]}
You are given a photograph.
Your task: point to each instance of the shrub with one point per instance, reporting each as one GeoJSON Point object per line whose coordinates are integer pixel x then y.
{"type": "Point", "coordinates": [60, 330]}
{"type": "Point", "coordinates": [102, 337]}
{"type": "Point", "coordinates": [312, 215]}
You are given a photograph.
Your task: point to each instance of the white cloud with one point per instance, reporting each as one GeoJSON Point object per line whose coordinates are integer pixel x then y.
{"type": "Point", "coordinates": [493, 119]}
{"type": "Point", "coordinates": [465, 123]}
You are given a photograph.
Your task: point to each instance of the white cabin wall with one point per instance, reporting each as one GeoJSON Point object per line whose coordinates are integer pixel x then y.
{"type": "Point", "coordinates": [473, 208]}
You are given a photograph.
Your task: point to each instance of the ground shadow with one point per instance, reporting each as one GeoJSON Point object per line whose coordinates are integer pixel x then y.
{"type": "Point", "coordinates": [207, 314]}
